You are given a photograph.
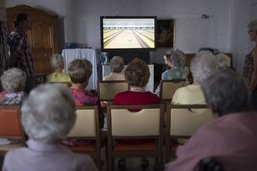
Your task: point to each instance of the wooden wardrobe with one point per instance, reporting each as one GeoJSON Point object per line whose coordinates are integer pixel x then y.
{"type": "Point", "coordinates": [42, 38]}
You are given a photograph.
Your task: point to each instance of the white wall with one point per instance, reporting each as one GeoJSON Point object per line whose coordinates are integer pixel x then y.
{"type": "Point", "coordinates": [225, 29]}
{"type": "Point", "coordinates": [192, 32]}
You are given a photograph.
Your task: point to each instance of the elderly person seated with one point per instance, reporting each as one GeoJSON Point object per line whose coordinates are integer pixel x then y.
{"type": "Point", "coordinates": [231, 137]}
{"type": "Point", "coordinates": [80, 71]}
{"type": "Point", "coordinates": [224, 61]}
{"type": "Point", "coordinates": [202, 66]}
{"type": "Point", "coordinates": [116, 67]}
{"type": "Point", "coordinates": [137, 75]}
{"type": "Point", "coordinates": [47, 117]}
{"type": "Point", "coordinates": [57, 63]}
{"type": "Point", "coordinates": [176, 67]}
{"type": "Point", "coordinates": [13, 83]}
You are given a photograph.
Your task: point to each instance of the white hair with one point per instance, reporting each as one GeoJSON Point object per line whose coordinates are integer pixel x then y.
{"type": "Point", "coordinates": [57, 61]}
{"type": "Point", "coordinates": [203, 65]}
{"type": "Point", "coordinates": [49, 113]}
{"type": "Point", "coordinates": [13, 80]}
{"type": "Point", "coordinates": [116, 64]}
{"type": "Point", "coordinates": [223, 60]}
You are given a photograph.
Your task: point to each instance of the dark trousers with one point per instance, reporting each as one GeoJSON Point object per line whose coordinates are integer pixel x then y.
{"type": "Point", "coordinates": [29, 85]}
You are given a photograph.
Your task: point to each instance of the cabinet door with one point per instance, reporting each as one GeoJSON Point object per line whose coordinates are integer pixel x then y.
{"type": "Point", "coordinates": [42, 37]}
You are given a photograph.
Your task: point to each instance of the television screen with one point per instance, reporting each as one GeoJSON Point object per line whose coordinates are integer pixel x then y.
{"type": "Point", "coordinates": [119, 33]}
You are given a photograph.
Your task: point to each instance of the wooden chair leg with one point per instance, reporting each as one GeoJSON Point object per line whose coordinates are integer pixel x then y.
{"type": "Point", "coordinates": [99, 161]}
{"type": "Point", "coordinates": [110, 164]}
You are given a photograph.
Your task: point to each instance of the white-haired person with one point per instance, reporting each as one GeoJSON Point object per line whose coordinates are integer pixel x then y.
{"type": "Point", "coordinates": [202, 66]}
{"type": "Point", "coordinates": [250, 64]}
{"type": "Point", "coordinates": [116, 67]}
{"type": "Point", "coordinates": [224, 61]}
{"type": "Point", "coordinates": [13, 83]}
{"type": "Point", "coordinates": [231, 136]}
{"type": "Point", "coordinates": [48, 114]}
{"type": "Point", "coordinates": [57, 63]}
{"type": "Point", "coordinates": [176, 67]}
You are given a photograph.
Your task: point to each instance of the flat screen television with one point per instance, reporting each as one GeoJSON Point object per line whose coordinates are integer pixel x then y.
{"type": "Point", "coordinates": [128, 33]}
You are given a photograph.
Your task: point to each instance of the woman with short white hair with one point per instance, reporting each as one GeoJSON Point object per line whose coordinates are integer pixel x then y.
{"type": "Point", "coordinates": [48, 115]}
{"type": "Point", "coordinates": [224, 61]}
{"type": "Point", "coordinates": [13, 84]}
{"type": "Point", "coordinates": [57, 63]}
{"type": "Point", "coordinates": [202, 66]}
{"type": "Point", "coordinates": [116, 68]}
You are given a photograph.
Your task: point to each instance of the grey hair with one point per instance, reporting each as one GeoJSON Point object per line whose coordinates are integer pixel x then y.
{"type": "Point", "coordinates": [116, 64]}
{"type": "Point", "coordinates": [252, 26]}
{"type": "Point", "coordinates": [223, 60]}
{"type": "Point", "coordinates": [13, 80]}
{"type": "Point", "coordinates": [226, 92]}
{"type": "Point", "coordinates": [178, 58]}
{"type": "Point", "coordinates": [56, 61]}
{"type": "Point", "coordinates": [203, 65]}
{"type": "Point", "coordinates": [48, 114]}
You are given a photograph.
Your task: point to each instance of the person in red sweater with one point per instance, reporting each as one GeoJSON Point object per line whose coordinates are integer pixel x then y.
{"type": "Point", "coordinates": [137, 75]}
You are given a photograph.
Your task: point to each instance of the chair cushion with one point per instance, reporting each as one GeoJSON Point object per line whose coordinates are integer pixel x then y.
{"type": "Point", "coordinates": [147, 146]}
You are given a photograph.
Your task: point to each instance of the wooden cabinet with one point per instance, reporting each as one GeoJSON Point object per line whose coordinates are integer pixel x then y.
{"type": "Point", "coordinates": [1, 3]}
{"type": "Point", "coordinates": [42, 37]}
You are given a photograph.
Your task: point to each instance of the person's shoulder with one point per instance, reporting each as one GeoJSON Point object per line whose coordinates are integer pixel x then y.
{"type": "Point", "coordinates": [151, 94]}
{"type": "Point", "coordinates": [50, 76]}
{"type": "Point", "coordinates": [80, 157]}
{"type": "Point", "coordinates": [123, 93]}
{"type": "Point", "coordinates": [12, 154]}
{"type": "Point", "coordinates": [58, 77]}
{"type": "Point", "coordinates": [232, 122]}
{"type": "Point", "coordinates": [83, 162]}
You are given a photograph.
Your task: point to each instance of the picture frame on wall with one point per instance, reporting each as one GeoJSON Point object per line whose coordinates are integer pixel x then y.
{"type": "Point", "coordinates": [165, 33]}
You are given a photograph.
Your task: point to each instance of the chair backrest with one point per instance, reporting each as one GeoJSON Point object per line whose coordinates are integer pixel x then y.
{"type": "Point", "coordinates": [108, 89]}
{"type": "Point", "coordinates": [184, 120]}
{"type": "Point", "coordinates": [168, 88]}
{"type": "Point", "coordinates": [87, 122]}
{"type": "Point", "coordinates": [10, 124]}
{"type": "Point", "coordinates": [145, 122]}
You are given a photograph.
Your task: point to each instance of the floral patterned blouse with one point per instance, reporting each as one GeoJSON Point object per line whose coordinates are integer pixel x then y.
{"type": "Point", "coordinates": [248, 67]}
{"type": "Point", "coordinates": [11, 98]}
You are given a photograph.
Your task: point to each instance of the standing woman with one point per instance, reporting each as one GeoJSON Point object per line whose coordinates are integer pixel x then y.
{"type": "Point", "coordinates": [250, 64]}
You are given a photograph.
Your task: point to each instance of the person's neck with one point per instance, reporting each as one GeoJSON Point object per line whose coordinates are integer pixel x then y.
{"type": "Point", "coordinates": [59, 70]}
{"type": "Point", "coordinates": [196, 82]}
{"type": "Point", "coordinates": [78, 86]}
{"type": "Point", "coordinates": [22, 28]}
{"type": "Point", "coordinates": [137, 89]}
